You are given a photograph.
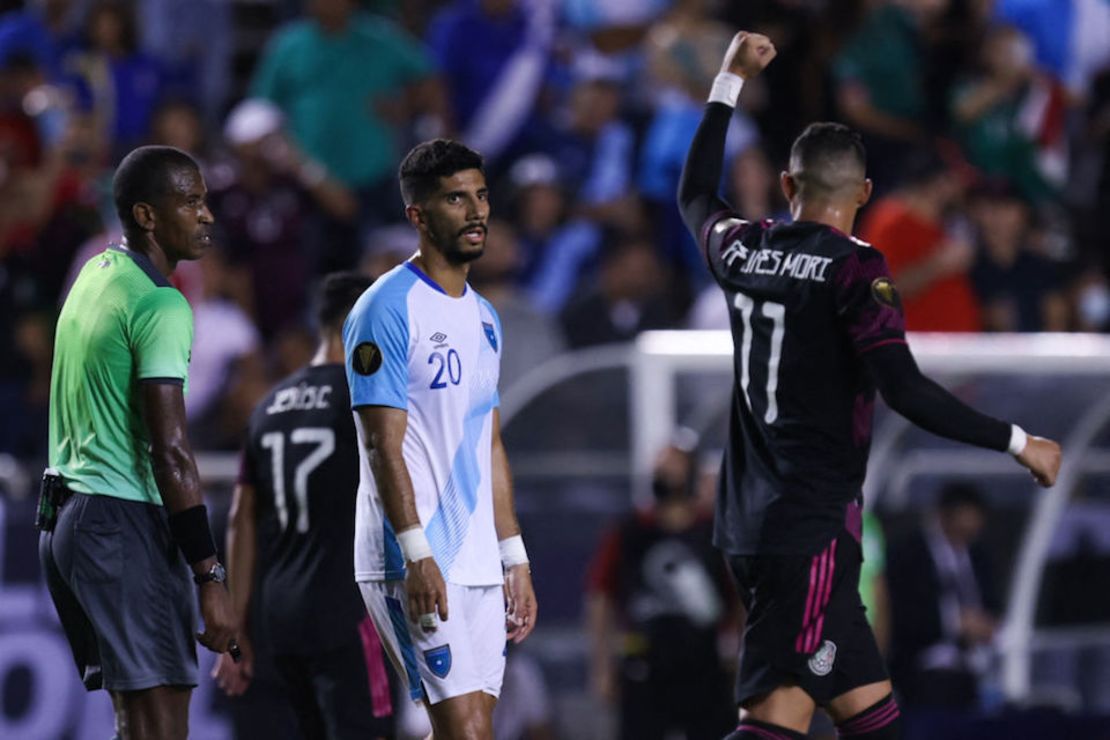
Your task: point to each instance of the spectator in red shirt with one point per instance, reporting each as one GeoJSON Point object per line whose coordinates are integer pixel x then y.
{"type": "Point", "coordinates": [929, 263]}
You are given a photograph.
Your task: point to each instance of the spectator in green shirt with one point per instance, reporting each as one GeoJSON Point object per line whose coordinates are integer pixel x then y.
{"type": "Point", "coordinates": [347, 82]}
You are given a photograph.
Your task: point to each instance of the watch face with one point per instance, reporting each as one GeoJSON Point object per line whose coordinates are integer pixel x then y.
{"type": "Point", "coordinates": [218, 573]}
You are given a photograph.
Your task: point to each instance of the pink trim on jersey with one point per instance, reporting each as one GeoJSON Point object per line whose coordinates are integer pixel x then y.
{"type": "Point", "coordinates": [760, 732]}
{"type": "Point", "coordinates": [876, 345]}
{"type": "Point", "coordinates": [880, 718]}
{"type": "Point", "coordinates": [380, 697]}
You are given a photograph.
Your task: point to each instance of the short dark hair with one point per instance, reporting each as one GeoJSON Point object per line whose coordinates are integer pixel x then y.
{"type": "Point", "coordinates": [338, 291]}
{"type": "Point", "coordinates": [144, 177]}
{"type": "Point", "coordinates": [822, 153]}
{"type": "Point", "coordinates": [956, 495]}
{"type": "Point", "coordinates": [427, 162]}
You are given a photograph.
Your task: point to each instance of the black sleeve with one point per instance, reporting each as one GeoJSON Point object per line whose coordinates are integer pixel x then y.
{"type": "Point", "coordinates": [928, 405]}
{"type": "Point", "coordinates": [697, 190]}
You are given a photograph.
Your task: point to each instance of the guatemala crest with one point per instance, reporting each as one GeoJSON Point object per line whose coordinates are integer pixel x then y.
{"type": "Point", "coordinates": [491, 335]}
{"type": "Point", "coordinates": [439, 660]}
{"type": "Point", "coordinates": [822, 661]}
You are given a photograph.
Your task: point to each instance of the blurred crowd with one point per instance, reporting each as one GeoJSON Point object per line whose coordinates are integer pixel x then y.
{"type": "Point", "coordinates": [986, 123]}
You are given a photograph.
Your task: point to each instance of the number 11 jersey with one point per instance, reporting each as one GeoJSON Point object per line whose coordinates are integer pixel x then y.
{"type": "Point", "coordinates": [805, 303]}
{"type": "Point", "coordinates": [409, 345]}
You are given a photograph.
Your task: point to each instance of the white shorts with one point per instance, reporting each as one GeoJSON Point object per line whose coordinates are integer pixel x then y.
{"type": "Point", "coordinates": [465, 654]}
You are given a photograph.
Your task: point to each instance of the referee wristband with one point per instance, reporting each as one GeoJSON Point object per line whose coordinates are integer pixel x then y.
{"type": "Point", "coordinates": [726, 89]}
{"type": "Point", "coordinates": [512, 551]}
{"type": "Point", "coordinates": [1018, 440]}
{"type": "Point", "coordinates": [191, 533]}
{"type": "Point", "coordinates": [414, 544]}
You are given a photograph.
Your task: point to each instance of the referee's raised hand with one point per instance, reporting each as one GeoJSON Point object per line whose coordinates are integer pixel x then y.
{"type": "Point", "coordinates": [748, 54]}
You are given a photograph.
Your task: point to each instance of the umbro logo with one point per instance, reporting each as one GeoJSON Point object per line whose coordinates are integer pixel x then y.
{"type": "Point", "coordinates": [439, 337]}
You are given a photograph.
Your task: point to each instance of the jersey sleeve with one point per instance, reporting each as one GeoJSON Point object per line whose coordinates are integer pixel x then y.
{"type": "Point", "coordinates": [161, 334]}
{"type": "Point", "coordinates": [720, 241]}
{"type": "Point", "coordinates": [867, 302]}
{"type": "Point", "coordinates": [376, 342]}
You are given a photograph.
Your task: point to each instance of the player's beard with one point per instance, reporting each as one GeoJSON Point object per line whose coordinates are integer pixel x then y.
{"type": "Point", "coordinates": [454, 246]}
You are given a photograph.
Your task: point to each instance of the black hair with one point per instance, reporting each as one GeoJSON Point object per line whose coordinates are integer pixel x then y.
{"type": "Point", "coordinates": [956, 495]}
{"type": "Point", "coordinates": [144, 176]}
{"type": "Point", "coordinates": [427, 162]}
{"type": "Point", "coordinates": [338, 291]}
{"type": "Point", "coordinates": [821, 154]}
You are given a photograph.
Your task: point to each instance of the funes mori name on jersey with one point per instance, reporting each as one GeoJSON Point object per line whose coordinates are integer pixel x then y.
{"type": "Point", "coordinates": [300, 398]}
{"type": "Point", "coordinates": [797, 265]}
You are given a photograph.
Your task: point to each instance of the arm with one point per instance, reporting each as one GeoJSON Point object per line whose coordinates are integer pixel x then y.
{"type": "Point", "coordinates": [384, 432]}
{"type": "Point", "coordinates": [934, 409]}
{"type": "Point", "coordinates": [747, 55]}
{"type": "Point", "coordinates": [175, 473]}
{"type": "Point", "coordinates": [241, 550]}
{"type": "Point", "coordinates": [518, 576]}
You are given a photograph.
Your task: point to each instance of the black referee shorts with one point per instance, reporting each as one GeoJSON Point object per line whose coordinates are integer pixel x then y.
{"type": "Point", "coordinates": [124, 595]}
{"type": "Point", "coordinates": [806, 623]}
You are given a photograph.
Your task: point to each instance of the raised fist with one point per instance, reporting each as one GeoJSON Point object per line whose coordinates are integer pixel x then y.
{"type": "Point", "coordinates": [748, 54]}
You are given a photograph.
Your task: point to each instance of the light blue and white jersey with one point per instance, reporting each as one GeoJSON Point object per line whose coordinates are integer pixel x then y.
{"type": "Point", "coordinates": [410, 345]}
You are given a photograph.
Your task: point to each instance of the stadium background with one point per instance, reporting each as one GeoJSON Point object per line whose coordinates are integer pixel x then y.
{"type": "Point", "coordinates": [987, 124]}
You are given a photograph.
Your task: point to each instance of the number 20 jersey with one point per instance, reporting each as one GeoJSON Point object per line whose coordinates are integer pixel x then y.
{"type": "Point", "coordinates": [805, 303]}
{"type": "Point", "coordinates": [409, 345]}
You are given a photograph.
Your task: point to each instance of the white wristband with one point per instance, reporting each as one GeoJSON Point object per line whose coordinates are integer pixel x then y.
{"type": "Point", "coordinates": [512, 551]}
{"type": "Point", "coordinates": [1018, 440]}
{"type": "Point", "coordinates": [414, 544]}
{"type": "Point", "coordinates": [726, 89]}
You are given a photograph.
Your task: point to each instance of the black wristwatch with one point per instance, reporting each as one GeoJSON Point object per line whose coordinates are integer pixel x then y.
{"type": "Point", "coordinates": [216, 574]}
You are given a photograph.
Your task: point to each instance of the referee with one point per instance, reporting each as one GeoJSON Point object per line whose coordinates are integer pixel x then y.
{"type": "Point", "coordinates": [122, 502]}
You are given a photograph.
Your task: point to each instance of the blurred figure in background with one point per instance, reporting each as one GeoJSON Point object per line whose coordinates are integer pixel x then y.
{"type": "Point", "coordinates": [628, 298]}
{"type": "Point", "coordinates": [386, 247]}
{"type": "Point", "coordinates": [556, 249]}
{"type": "Point", "coordinates": [1019, 289]}
{"type": "Point", "coordinates": [348, 82]}
{"type": "Point", "coordinates": [683, 52]}
{"type": "Point", "coordinates": [120, 83]}
{"type": "Point", "coordinates": [944, 605]}
{"type": "Point", "coordinates": [658, 592]}
{"type": "Point", "coordinates": [494, 56]}
{"type": "Point", "coordinates": [929, 262]}
{"type": "Point", "coordinates": [266, 196]}
{"type": "Point", "coordinates": [1011, 117]}
{"type": "Point", "coordinates": [533, 338]}
{"type": "Point", "coordinates": [227, 372]}
{"type": "Point", "coordinates": [880, 82]}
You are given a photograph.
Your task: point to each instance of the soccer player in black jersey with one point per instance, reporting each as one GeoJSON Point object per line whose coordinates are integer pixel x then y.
{"type": "Point", "coordinates": [294, 508]}
{"type": "Point", "coordinates": [817, 327]}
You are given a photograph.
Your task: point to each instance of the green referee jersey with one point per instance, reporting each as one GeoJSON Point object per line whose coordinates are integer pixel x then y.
{"type": "Point", "coordinates": [122, 324]}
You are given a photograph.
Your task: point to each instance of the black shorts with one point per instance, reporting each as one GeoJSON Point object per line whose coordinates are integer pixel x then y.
{"type": "Point", "coordinates": [806, 623]}
{"type": "Point", "coordinates": [124, 595]}
{"type": "Point", "coordinates": [330, 691]}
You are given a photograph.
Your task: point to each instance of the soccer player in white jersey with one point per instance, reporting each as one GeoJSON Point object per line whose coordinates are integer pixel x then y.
{"type": "Point", "coordinates": [438, 553]}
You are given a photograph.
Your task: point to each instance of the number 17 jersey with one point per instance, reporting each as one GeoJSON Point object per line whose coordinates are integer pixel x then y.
{"type": "Point", "coordinates": [806, 302]}
{"type": "Point", "coordinates": [411, 346]}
